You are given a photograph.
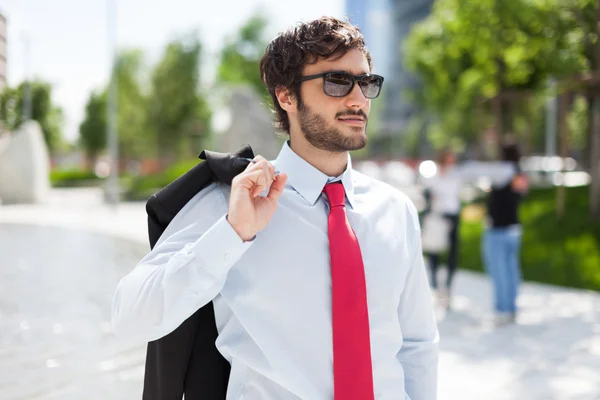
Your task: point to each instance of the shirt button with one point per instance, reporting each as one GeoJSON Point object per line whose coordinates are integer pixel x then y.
{"type": "Point", "coordinates": [227, 257]}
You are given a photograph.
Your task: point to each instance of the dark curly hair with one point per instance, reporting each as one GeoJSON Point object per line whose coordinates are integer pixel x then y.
{"type": "Point", "coordinates": [305, 43]}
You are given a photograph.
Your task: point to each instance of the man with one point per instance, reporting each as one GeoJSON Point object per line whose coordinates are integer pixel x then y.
{"type": "Point", "coordinates": [315, 270]}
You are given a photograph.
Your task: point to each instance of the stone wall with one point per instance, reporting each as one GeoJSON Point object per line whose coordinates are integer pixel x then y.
{"type": "Point", "coordinates": [24, 166]}
{"type": "Point", "coordinates": [251, 123]}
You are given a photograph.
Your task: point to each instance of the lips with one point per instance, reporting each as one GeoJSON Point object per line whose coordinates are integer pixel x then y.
{"type": "Point", "coordinates": [352, 120]}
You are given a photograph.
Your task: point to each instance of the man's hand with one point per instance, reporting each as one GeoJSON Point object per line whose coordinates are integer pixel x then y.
{"type": "Point", "coordinates": [249, 213]}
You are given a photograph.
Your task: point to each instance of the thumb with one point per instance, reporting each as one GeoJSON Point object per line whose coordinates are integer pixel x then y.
{"type": "Point", "coordinates": [277, 187]}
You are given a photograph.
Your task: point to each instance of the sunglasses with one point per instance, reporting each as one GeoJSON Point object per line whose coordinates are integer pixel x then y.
{"type": "Point", "coordinates": [340, 84]}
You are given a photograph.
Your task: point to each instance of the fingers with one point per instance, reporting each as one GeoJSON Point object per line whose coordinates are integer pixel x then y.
{"type": "Point", "coordinates": [261, 162]}
{"type": "Point", "coordinates": [268, 168]}
{"type": "Point", "coordinates": [257, 177]}
{"type": "Point", "coordinates": [254, 181]}
{"type": "Point", "coordinates": [277, 187]}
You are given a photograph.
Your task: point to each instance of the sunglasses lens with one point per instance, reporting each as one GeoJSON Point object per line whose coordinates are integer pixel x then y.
{"type": "Point", "coordinates": [370, 86]}
{"type": "Point", "coordinates": [337, 84]}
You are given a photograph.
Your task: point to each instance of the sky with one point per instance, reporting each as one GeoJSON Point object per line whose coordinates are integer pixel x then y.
{"type": "Point", "coordinates": [66, 42]}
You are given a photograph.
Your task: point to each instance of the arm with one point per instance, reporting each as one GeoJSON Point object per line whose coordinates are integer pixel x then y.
{"type": "Point", "coordinates": [185, 270]}
{"type": "Point", "coordinates": [498, 172]}
{"type": "Point", "coordinates": [419, 352]}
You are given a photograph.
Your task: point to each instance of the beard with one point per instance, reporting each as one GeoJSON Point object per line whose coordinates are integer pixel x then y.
{"type": "Point", "coordinates": [326, 137]}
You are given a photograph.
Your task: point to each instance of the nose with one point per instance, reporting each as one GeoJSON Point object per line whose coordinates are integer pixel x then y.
{"type": "Point", "coordinates": [356, 99]}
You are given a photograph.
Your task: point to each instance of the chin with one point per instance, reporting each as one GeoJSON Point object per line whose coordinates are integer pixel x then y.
{"type": "Point", "coordinates": [357, 141]}
{"type": "Point", "coordinates": [358, 134]}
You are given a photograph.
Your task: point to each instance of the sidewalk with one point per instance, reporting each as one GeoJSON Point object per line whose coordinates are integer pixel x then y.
{"type": "Point", "coordinates": [553, 352]}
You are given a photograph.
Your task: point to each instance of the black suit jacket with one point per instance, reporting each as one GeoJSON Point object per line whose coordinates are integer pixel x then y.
{"type": "Point", "coordinates": [186, 361]}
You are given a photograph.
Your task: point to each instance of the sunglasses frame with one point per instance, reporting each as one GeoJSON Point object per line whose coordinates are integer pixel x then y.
{"type": "Point", "coordinates": [354, 78]}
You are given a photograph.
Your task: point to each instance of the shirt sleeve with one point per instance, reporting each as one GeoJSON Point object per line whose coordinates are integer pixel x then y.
{"type": "Point", "coordinates": [419, 352]}
{"type": "Point", "coordinates": [186, 270]}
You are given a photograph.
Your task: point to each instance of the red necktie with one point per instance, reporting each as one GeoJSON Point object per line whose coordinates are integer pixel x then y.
{"type": "Point", "coordinates": [352, 373]}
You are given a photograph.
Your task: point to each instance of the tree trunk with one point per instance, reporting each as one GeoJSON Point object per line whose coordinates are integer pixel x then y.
{"type": "Point", "coordinates": [595, 130]}
{"type": "Point", "coordinates": [563, 134]}
{"type": "Point", "coordinates": [594, 161]}
{"type": "Point", "coordinates": [507, 117]}
{"type": "Point", "coordinates": [587, 151]}
{"type": "Point", "coordinates": [90, 161]}
{"type": "Point", "coordinates": [498, 115]}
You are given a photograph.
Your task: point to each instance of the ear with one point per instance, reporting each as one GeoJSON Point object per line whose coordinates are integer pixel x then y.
{"type": "Point", "coordinates": [286, 99]}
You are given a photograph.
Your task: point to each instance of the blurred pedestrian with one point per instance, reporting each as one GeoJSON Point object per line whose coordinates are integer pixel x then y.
{"type": "Point", "coordinates": [443, 200]}
{"type": "Point", "coordinates": [443, 194]}
{"type": "Point", "coordinates": [502, 238]}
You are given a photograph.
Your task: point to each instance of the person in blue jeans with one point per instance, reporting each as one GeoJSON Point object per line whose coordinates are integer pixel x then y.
{"type": "Point", "coordinates": [502, 239]}
{"type": "Point", "coordinates": [443, 196]}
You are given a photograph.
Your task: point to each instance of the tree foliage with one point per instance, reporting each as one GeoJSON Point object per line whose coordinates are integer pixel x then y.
{"type": "Point", "coordinates": [134, 139]}
{"type": "Point", "coordinates": [178, 114]}
{"type": "Point", "coordinates": [470, 53]}
{"type": "Point", "coordinates": [241, 54]}
{"type": "Point", "coordinates": [92, 131]}
{"type": "Point", "coordinates": [43, 110]}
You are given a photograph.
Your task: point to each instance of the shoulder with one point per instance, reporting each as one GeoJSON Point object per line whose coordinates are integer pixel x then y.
{"type": "Point", "coordinates": [205, 207]}
{"type": "Point", "coordinates": [210, 198]}
{"type": "Point", "coordinates": [384, 195]}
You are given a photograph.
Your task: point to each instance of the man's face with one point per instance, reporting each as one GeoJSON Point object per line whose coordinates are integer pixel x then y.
{"type": "Point", "coordinates": [334, 124]}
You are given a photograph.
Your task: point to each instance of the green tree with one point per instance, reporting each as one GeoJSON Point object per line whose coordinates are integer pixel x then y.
{"type": "Point", "coordinates": [487, 56]}
{"type": "Point", "coordinates": [8, 108]}
{"type": "Point", "coordinates": [135, 141]}
{"type": "Point", "coordinates": [92, 131]}
{"type": "Point", "coordinates": [241, 54]}
{"type": "Point", "coordinates": [490, 52]}
{"type": "Point", "coordinates": [178, 115]}
{"type": "Point", "coordinates": [43, 110]}
{"type": "Point", "coordinates": [583, 19]}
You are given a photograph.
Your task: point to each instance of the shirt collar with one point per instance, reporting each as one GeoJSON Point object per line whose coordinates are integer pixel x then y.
{"type": "Point", "coordinates": [309, 181]}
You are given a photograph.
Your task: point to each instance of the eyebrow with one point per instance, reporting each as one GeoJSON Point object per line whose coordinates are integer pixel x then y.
{"type": "Point", "coordinates": [342, 71]}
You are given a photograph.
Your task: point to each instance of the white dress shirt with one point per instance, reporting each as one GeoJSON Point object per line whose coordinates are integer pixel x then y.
{"type": "Point", "coordinates": [272, 295]}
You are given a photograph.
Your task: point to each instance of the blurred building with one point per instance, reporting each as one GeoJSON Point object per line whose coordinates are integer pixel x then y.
{"type": "Point", "coordinates": [3, 52]}
{"type": "Point", "coordinates": [374, 19]}
{"type": "Point", "coordinates": [385, 24]}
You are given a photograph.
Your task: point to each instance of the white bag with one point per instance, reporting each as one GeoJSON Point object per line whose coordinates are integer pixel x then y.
{"type": "Point", "coordinates": [435, 233]}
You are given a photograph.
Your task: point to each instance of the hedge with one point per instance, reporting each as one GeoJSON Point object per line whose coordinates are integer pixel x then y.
{"type": "Point", "coordinates": [562, 252]}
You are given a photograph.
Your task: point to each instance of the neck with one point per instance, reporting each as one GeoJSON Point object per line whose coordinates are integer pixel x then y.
{"type": "Point", "coordinates": [331, 164]}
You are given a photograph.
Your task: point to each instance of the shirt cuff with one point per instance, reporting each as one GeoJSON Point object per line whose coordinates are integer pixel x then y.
{"type": "Point", "coordinates": [220, 247]}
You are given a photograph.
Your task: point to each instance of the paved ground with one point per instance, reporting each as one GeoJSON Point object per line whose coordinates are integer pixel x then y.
{"type": "Point", "coordinates": [61, 261]}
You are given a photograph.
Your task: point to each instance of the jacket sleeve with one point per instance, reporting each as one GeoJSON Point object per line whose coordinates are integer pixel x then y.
{"type": "Point", "coordinates": [184, 271]}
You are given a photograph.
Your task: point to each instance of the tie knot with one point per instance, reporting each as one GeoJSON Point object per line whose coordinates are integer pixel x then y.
{"type": "Point", "coordinates": [335, 194]}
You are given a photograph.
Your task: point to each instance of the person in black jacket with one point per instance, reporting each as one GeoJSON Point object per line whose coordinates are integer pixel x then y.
{"type": "Point", "coordinates": [502, 239]}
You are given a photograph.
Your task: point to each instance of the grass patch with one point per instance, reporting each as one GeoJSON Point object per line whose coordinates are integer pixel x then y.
{"type": "Point", "coordinates": [142, 187]}
{"type": "Point", "coordinates": [563, 252]}
{"type": "Point", "coordinates": [73, 178]}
